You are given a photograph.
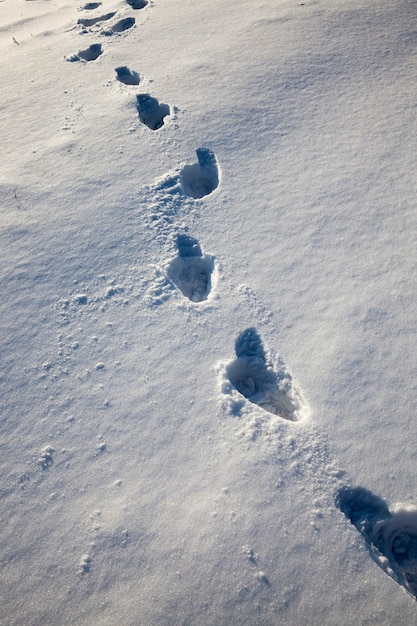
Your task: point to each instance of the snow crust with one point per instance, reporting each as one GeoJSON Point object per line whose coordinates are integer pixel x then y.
{"type": "Point", "coordinates": [208, 278]}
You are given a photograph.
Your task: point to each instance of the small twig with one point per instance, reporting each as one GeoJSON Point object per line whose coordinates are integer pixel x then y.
{"type": "Point", "coordinates": [15, 40]}
{"type": "Point", "coordinates": [19, 206]}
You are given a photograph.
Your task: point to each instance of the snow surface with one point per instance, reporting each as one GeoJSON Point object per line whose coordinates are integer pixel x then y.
{"type": "Point", "coordinates": [208, 236]}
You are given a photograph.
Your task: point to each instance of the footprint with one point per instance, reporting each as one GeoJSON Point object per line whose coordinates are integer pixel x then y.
{"type": "Point", "coordinates": [120, 26]}
{"type": "Point", "coordinates": [94, 20]}
{"type": "Point", "coordinates": [202, 178]}
{"type": "Point", "coordinates": [127, 76]}
{"type": "Point", "coordinates": [191, 270]}
{"type": "Point", "coordinates": [151, 112]}
{"type": "Point", "coordinates": [137, 4]}
{"type": "Point", "coordinates": [91, 5]}
{"type": "Point", "coordinates": [90, 54]}
{"type": "Point", "coordinates": [391, 537]}
{"type": "Point", "coordinates": [253, 375]}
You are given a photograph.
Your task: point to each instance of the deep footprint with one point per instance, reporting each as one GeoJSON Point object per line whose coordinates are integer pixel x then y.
{"type": "Point", "coordinates": [127, 76]}
{"type": "Point", "coordinates": [151, 112]}
{"type": "Point", "coordinates": [95, 20]}
{"type": "Point", "coordinates": [255, 378]}
{"type": "Point", "coordinates": [191, 270]}
{"type": "Point", "coordinates": [391, 537]}
{"type": "Point", "coordinates": [137, 4]}
{"type": "Point", "coordinates": [202, 178]}
{"type": "Point", "coordinates": [121, 26]}
{"type": "Point", "coordinates": [90, 54]}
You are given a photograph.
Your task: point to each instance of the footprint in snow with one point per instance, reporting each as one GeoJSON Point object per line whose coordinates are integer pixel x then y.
{"type": "Point", "coordinates": [95, 20]}
{"type": "Point", "coordinates": [202, 178]}
{"type": "Point", "coordinates": [137, 4]}
{"type": "Point", "coordinates": [191, 270]}
{"type": "Point", "coordinates": [127, 76]}
{"type": "Point", "coordinates": [391, 537]}
{"type": "Point", "coordinates": [90, 6]}
{"type": "Point", "coordinates": [254, 377]}
{"type": "Point", "coordinates": [120, 26]}
{"type": "Point", "coordinates": [151, 112]}
{"type": "Point", "coordinates": [90, 54]}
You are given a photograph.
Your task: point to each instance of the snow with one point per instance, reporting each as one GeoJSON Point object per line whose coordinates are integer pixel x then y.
{"type": "Point", "coordinates": [208, 311]}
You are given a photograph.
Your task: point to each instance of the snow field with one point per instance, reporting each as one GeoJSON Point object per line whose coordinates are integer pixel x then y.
{"type": "Point", "coordinates": [144, 482]}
